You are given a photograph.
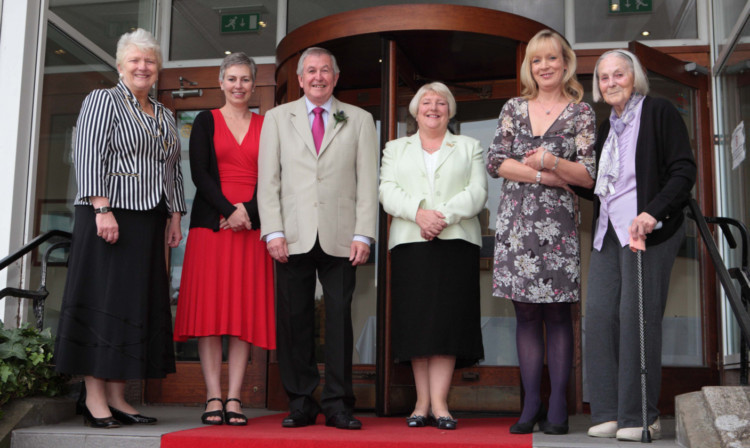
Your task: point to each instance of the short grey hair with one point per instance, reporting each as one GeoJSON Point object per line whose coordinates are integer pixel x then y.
{"type": "Point", "coordinates": [143, 41]}
{"type": "Point", "coordinates": [435, 87]}
{"type": "Point", "coordinates": [238, 58]}
{"type": "Point", "coordinates": [316, 51]}
{"type": "Point", "coordinates": [640, 81]}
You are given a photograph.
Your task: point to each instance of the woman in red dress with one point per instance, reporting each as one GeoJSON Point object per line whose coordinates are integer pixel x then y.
{"type": "Point", "coordinates": [227, 278]}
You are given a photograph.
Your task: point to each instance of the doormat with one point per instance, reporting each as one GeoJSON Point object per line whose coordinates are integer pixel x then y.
{"type": "Point", "coordinates": [376, 432]}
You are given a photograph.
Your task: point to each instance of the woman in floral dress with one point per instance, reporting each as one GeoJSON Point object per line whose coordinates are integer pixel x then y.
{"type": "Point", "coordinates": [543, 146]}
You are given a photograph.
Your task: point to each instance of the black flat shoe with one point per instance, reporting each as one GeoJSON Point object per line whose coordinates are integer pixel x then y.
{"type": "Point", "coordinates": [298, 419]}
{"type": "Point", "coordinates": [446, 423]}
{"type": "Point", "coordinates": [228, 416]}
{"type": "Point", "coordinates": [417, 421]}
{"type": "Point", "coordinates": [528, 427]}
{"type": "Point", "coordinates": [551, 428]}
{"type": "Point", "coordinates": [103, 423]}
{"type": "Point", "coordinates": [343, 420]}
{"type": "Point", "coordinates": [129, 419]}
{"type": "Point", "coordinates": [219, 413]}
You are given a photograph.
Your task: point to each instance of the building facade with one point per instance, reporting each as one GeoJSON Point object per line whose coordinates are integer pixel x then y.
{"type": "Point", "coordinates": [53, 52]}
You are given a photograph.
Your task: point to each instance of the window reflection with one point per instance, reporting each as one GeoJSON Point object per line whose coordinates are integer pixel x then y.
{"type": "Point", "coordinates": [668, 19]}
{"type": "Point", "coordinates": [102, 21]}
{"type": "Point", "coordinates": [206, 29]}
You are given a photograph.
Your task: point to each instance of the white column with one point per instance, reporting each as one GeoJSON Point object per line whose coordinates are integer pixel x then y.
{"type": "Point", "coordinates": [19, 43]}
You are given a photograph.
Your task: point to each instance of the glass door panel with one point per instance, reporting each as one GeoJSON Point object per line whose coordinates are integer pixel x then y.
{"type": "Point", "coordinates": [70, 73]}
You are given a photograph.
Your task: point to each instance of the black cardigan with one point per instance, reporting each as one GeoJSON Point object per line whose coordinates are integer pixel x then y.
{"type": "Point", "coordinates": [210, 204]}
{"type": "Point", "coordinates": [664, 167]}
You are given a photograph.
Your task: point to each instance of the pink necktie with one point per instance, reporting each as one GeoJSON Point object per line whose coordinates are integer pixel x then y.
{"type": "Point", "coordinates": [318, 130]}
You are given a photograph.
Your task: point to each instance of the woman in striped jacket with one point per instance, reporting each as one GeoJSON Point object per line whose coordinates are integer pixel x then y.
{"type": "Point", "coordinates": [115, 321]}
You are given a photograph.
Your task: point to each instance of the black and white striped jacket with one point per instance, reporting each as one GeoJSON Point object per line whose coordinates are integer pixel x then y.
{"type": "Point", "coordinates": [126, 155]}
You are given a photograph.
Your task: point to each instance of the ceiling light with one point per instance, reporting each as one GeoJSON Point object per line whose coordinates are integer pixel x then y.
{"type": "Point", "coordinates": [645, 33]}
{"type": "Point", "coordinates": [262, 24]}
{"type": "Point", "coordinates": [60, 52]}
{"type": "Point", "coordinates": [227, 52]}
{"type": "Point", "coordinates": [614, 6]}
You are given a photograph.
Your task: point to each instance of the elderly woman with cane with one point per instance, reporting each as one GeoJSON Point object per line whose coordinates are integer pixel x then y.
{"type": "Point", "coordinates": [645, 172]}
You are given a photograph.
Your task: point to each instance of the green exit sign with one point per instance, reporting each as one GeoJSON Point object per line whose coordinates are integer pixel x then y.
{"type": "Point", "coordinates": [240, 23]}
{"type": "Point", "coordinates": [630, 6]}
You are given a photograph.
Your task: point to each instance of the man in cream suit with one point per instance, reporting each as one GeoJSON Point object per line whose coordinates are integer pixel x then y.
{"type": "Point", "coordinates": [318, 204]}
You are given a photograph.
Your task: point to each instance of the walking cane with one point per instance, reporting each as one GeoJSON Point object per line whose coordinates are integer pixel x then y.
{"type": "Point", "coordinates": [639, 246]}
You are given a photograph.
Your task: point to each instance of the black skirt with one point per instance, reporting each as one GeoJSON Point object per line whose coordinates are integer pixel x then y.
{"type": "Point", "coordinates": [115, 321]}
{"type": "Point", "coordinates": [435, 301]}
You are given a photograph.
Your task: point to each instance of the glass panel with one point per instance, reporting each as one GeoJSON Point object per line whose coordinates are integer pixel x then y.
{"type": "Point", "coordinates": [733, 93]}
{"type": "Point", "coordinates": [549, 13]}
{"type": "Point", "coordinates": [70, 73]}
{"type": "Point", "coordinates": [186, 351]}
{"type": "Point", "coordinates": [202, 30]}
{"type": "Point", "coordinates": [104, 21]}
{"type": "Point", "coordinates": [479, 120]}
{"type": "Point", "coordinates": [726, 14]}
{"type": "Point", "coordinates": [669, 19]}
{"type": "Point", "coordinates": [681, 331]}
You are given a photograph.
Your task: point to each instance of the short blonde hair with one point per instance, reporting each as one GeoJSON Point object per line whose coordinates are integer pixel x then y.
{"type": "Point", "coordinates": [640, 80]}
{"type": "Point", "coordinates": [435, 87]}
{"type": "Point", "coordinates": [571, 88]}
{"type": "Point", "coordinates": [140, 39]}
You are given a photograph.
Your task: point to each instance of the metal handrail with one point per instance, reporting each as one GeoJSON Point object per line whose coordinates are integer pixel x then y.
{"type": "Point", "coordinates": [735, 298]}
{"type": "Point", "coordinates": [41, 293]}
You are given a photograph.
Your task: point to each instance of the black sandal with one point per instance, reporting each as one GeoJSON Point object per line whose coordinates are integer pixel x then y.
{"type": "Point", "coordinates": [220, 413]}
{"type": "Point", "coordinates": [228, 416]}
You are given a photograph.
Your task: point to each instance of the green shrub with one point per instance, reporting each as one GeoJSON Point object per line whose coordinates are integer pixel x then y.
{"type": "Point", "coordinates": [26, 364]}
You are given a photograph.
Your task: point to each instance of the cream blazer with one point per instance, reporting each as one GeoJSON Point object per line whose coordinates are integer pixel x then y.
{"type": "Point", "coordinates": [332, 195]}
{"type": "Point", "coordinates": [460, 191]}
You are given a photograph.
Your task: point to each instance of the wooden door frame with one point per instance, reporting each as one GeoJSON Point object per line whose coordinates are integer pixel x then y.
{"type": "Point", "coordinates": [186, 386]}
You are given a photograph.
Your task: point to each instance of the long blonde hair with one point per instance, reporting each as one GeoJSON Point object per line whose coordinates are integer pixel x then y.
{"type": "Point", "coordinates": [571, 88]}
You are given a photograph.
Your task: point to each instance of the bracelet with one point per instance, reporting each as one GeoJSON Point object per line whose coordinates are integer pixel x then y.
{"type": "Point", "coordinates": [102, 210]}
{"type": "Point", "coordinates": [538, 177]}
{"type": "Point", "coordinates": [544, 154]}
{"type": "Point", "coordinates": [557, 160]}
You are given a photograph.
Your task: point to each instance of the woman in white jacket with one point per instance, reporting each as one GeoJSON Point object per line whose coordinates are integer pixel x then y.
{"type": "Point", "coordinates": [433, 184]}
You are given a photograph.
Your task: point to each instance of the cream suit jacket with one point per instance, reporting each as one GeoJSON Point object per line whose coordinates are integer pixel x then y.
{"type": "Point", "coordinates": [332, 195]}
{"type": "Point", "coordinates": [460, 191]}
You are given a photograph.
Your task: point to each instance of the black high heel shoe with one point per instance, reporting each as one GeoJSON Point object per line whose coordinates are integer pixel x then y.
{"type": "Point", "coordinates": [129, 419]}
{"type": "Point", "coordinates": [551, 428]}
{"type": "Point", "coordinates": [104, 423]}
{"type": "Point", "coordinates": [528, 427]}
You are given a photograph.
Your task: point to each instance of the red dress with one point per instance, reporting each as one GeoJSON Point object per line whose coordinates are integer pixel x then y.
{"type": "Point", "coordinates": [227, 276]}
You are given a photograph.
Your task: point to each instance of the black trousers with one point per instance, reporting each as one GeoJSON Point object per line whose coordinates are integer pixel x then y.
{"type": "Point", "coordinates": [295, 330]}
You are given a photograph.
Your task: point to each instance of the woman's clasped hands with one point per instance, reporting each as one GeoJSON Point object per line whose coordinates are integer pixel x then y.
{"type": "Point", "coordinates": [533, 159]}
{"type": "Point", "coordinates": [238, 220]}
{"type": "Point", "coordinates": [431, 223]}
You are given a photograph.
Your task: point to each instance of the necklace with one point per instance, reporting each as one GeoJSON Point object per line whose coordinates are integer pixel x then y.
{"type": "Point", "coordinates": [547, 110]}
{"type": "Point", "coordinates": [144, 126]}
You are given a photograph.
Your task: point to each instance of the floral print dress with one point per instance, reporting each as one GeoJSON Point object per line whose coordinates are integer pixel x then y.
{"type": "Point", "coordinates": [537, 254]}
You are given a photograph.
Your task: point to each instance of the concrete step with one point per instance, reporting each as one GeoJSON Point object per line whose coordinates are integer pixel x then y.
{"type": "Point", "coordinates": [716, 416]}
{"type": "Point", "coordinates": [71, 433]}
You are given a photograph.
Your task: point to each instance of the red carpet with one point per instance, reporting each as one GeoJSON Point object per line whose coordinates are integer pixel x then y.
{"type": "Point", "coordinates": [391, 432]}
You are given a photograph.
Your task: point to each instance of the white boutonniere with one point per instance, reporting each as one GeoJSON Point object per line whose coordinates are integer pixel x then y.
{"type": "Point", "coordinates": [340, 117]}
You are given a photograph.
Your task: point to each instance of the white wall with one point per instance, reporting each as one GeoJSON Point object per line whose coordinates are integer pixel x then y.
{"type": "Point", "coordinates": [19, 37]}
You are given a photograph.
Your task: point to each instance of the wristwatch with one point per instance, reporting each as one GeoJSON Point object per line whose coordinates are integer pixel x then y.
{"type": "Point", "coordinates": [102, 210]}
{"type": "Point", "coordinates": [539, 177]}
